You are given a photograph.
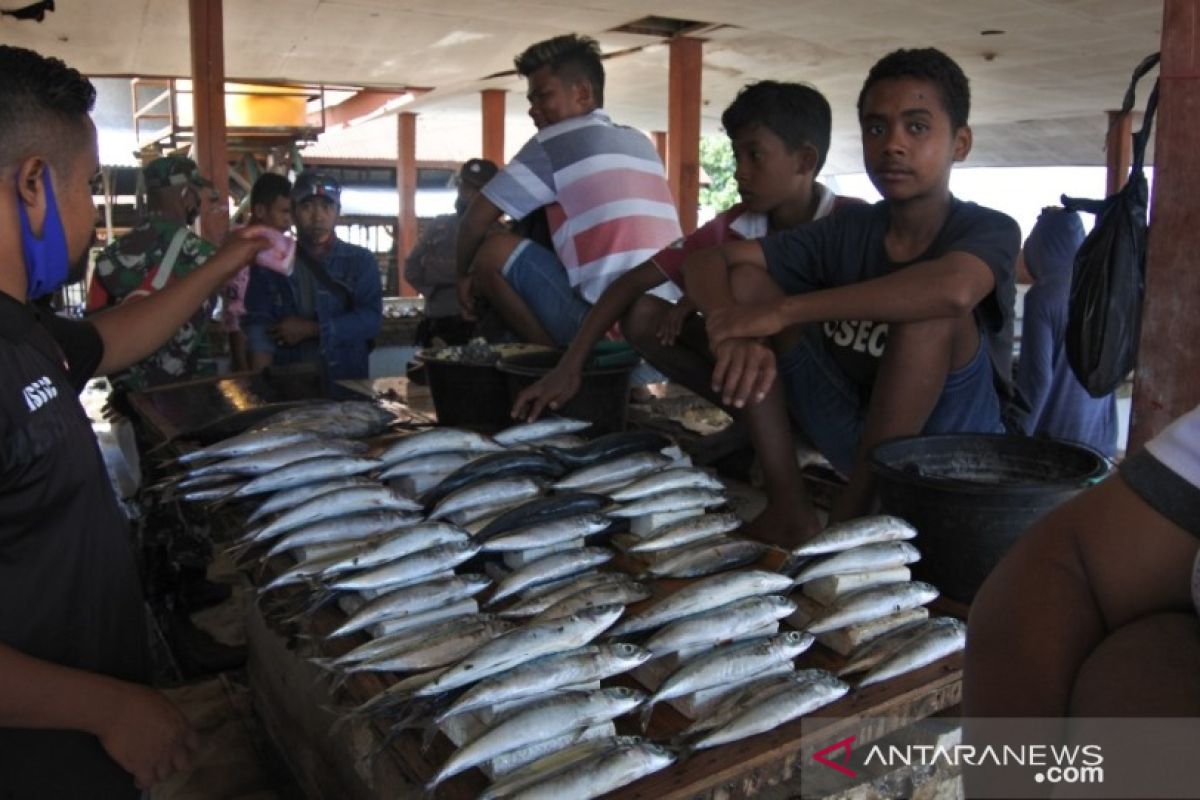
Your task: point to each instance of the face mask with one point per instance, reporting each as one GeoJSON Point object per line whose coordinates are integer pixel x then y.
{"type": "Point", "coordinates": [46, 259]}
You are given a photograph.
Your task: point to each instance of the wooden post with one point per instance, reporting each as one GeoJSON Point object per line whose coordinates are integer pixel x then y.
{"type": "Point", "coordinates": [406, 186]}
{"type": "Point", "coordinates": [1167, 381]}
{"type": "Point", "coordinates": [492, 104]}
{"type": "Point", "coordinates": [683, 127]}
{"type": "Point", "coordinates": [660, 144]}
{"type": "Point", "coordinates": [208, 110]}
{"type": "Point", "coordinates": [1118, 150]}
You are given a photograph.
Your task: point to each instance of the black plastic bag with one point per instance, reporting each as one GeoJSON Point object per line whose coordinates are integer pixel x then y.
{"type": "Point", "coordinates": [1104, 321]}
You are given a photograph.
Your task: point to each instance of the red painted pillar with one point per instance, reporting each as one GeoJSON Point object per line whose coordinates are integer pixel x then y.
{"type": "Point", "coordinates": [683, 127]}
{"type": "Point", "coordinates": [406, 187]}
{"type": "Point", "coordinates": [492, 103]}
{"type": "Point", "coordinates": [208, 110]}
{"type": "Point", "coordinates": [1118, 150]}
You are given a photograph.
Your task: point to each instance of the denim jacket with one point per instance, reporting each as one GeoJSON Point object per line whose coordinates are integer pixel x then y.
{"type": "Point", "coordinates": [345, 333]}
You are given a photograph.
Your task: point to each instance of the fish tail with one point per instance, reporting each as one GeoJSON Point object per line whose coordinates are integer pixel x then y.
{"type": "Point", "coordinates": [644, 716]}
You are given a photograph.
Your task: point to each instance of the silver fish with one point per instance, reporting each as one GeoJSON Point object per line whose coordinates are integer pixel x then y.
{"type": "Point", "coordinates": [409, 569]}
{"type": "Point", "coordinates": [344, 529]}
{"type": "Point", "coordinates": [674, 500]}
{"type": "Point", "coordinates": [678, 478]}
{"type": "Point", "coordinates": [398, 625]}
{"type": "Point", "coordinates": [566, 441]}
{"type": "Point", "coordinates": [543, 768]}
{"type": "Point", "coordinates": [336, 504]}
{"type": "Point", "coordinates": [397, 544]}
{"type": "Point", "coordinates": [446, 646]}
{"type": "Point", "coordinates": [551, 567]}
{"type": "Point", "coordinates": [309, 470]}
{"type": "Point", "coordinates": [310, 568]}
{"type": "Point", "coordinates": [286, 498]}
{"type": "Point", "coordinates": [734, 702]}
{"type": "Point", "coordinates": [429, 464]}
{"type": "Point", "coordinates": [855, 533]}
{"type": "Point", "coordinates": [405, 640]}
{"type": "Point", "coordinates": [436, 440]}
{"type": "Point", "coordinates": [545, 534]}
{"type": "Point", "coordinates": [413, 599]}
{"type": "Point", "coordinates": [541, 429]}
{"type": "Point", "coordinates": [268, 460]}
{"type": "Point", "coordinates": [704, 594]}
{"type": "Point", "coordinates": [868, 604]}
{"type": "Point", "coordinates": [707, 557]}
{"type": "Point", "coordinates": [601, 773]}
{"type": "Point", "coordinates": [549, 673]}
{"type": "Point", "coordinates": [209, 493]}
{"type": "Point", "coordinates": [769, 713]}
{"type": "Point", "coordinates": [625, 468]}
{"type": "Point", "coordinates": [347, 419]}
{"type": "Point", "coordinates": [255, 441]}
{"type": "Point", "coordinates": [933, 643]}
{"type": "Point", "coordinates": [876, 650]}
{"type": "Point", "coordinates": [523, 645]}
{"type": "Point", "coordinates": [493, 493]}
{"type": "Point", "coordinates": [540, 721]}
{"type": "Point", "coordinates": [623, 592]}
{"type": "Point", "coordinates": [864, 558]}
{"type": "Point", "coordinates": [686, 531]}
{"type": "Point", "coordinates": [720, 624]}
{"type": "Point", "coordinates": [537, 602]}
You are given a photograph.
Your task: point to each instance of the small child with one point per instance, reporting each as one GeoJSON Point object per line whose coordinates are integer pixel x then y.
{"type": "Point", "coordinates": [884, 317]}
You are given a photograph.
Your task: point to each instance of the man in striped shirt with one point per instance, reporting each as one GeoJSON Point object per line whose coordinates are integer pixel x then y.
{"type": "Point", "coordinates": [603, 192]}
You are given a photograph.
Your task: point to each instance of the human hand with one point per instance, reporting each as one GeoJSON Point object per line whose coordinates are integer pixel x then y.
{"type": "Point", "coordinates": [553, 391]}
{"type": "Point", "coordinates": [672, 322]}
{"type": "Point", "coordinates": [147, 735]}
{"type": "Point", "coordinates": [291, 331]}
{"type": "Point", "coordinates": [744, 372]}
{"type": "Point", "coordinates": [243, 244]}
{"type": "Point", "coordinates": [466, 299]}
{"type": "Point", "coordinates": [742, 322]}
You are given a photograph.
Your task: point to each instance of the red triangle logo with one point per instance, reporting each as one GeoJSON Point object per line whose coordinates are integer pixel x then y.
{"type": "Point", "coordinates": [840, 766]}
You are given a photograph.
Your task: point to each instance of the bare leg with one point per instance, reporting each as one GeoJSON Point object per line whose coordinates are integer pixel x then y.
{"type": "Point", "coordinates": [490, 282]}
{"type": "Point", "coordinates": [687, 362]}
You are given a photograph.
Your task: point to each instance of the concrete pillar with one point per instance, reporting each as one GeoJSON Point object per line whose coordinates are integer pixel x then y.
{"type": "Point", "coordinates": [406, 186]}
{"type": "Point", "coordinates": [492, 103]}
{"type": "Point", "coordinates": [1168, 372]}
{"type": "Point", "coordinates": [683, 127]}
{"type": "Point", "coordinates": [208, 109]}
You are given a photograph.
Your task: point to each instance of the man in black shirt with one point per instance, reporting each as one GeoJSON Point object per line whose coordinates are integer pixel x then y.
{"type": "Point", "coordinates": [76, 718]}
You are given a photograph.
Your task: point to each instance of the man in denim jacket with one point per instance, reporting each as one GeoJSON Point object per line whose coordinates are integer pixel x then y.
{"type": "Point", "coordinates": [329, 309]}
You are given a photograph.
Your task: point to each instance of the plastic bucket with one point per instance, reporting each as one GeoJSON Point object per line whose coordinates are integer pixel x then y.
{"type": "Point", "coordinates": [469, 395]}
{"type": "Point", "coordinates": [971, 496]}
{"type": "Point", "coordinates": [603, 397]}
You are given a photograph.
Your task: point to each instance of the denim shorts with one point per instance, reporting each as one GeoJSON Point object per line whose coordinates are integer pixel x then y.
{"type": "Point", "coordinates": [830, 409]}
{"type": "Point", "coordinates": [537, 275]}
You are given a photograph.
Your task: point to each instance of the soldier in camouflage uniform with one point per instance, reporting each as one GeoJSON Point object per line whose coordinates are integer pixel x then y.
{"type": "Point", "coordinates": [147, 258]}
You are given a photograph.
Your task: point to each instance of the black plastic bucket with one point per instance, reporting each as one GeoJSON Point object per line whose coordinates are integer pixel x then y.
{"type": "Point", "coordinates": [971, 496]}
{"type": "Point", "coordinates": [470, 394]}
{"type": "Point", "coordinates": [603, 397]}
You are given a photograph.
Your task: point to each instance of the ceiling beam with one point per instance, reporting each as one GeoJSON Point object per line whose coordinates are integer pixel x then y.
{"type": "Point", "coordinates": [363, 103]}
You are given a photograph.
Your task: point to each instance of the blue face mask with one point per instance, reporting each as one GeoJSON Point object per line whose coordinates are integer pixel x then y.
{"type": "Point", "coordinates": [46, 261]}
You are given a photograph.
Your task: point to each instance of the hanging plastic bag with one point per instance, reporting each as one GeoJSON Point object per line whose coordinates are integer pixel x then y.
{"type": "Point", "coordinates": [1104, 320]}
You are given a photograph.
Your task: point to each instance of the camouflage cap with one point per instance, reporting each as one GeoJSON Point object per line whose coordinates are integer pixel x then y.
{"type": "Point", "coordinates": [167, 171]}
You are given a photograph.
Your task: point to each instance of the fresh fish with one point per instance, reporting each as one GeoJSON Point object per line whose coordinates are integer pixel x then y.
{"type": "Point", "coordinates": [544, 675]}
{"type": "Point", "coordinates": [933, 643]}
{"type": "Point", "coordinates": [397, 544]}
{"type": "Point", "coordinates": [610, 446]}
{"type": "Point", "coordinates": [436, 440]}
{"type": "Point", "coordinates": [674, 500]}
{"type": "Point", "coordinates": [255, 441]}
{"type": "Point", "coordinates": [624, 468]}
{"type": "Point", "coordinates": [602, 773]}
{"type": "Point", "coordinates": [795, 700]}
{"type": "Point", "coordinates": [287, 498]}
{"type": "Point", "coordinates": [855, 533]}
{"type": "Point", "coordinates": [405, 640]}
{"type": "Point", "coordinates": [865, 558]}
{"type": "Point", "coordinates": [703, 595]}
{"type": "Point", "coordinates": [357, 527]}
{"type": "Point", "coordinates": [546, 534]}
{"type": "Point", "coordinates": [540, 721]}
{"type": "Point", "coordinates": [678, 478]}
{"type": "Point", "coordinates": [413, 599]}
{"type": "Point", "coordinates": [507, 464]}
{"type": "Point", "coordinates": [551, 567]}
{"type": "Point", "coordinates": [446, 646]}
{"type": "Point", "coordinates": [721, 624]}
{"type": "Point", "coordinates": [533, 604]}
{"type": "Point", "coordinates": [869, 604]}
{"type": "Point", "coordinates": [200, 482]}
{"type": "Point", "coordinates": [541, 429]}
{"type": "Point", "coordinates": [409, 569]}
{"type": "Point", "coordinates": [708, 557]}
{"type": "Point", "coordinates": [734, 702]}
{"type": "Point", "coordinates": [686, 531]}
{"type": "Point", "coordinates": [429, 464]}
{"type": "Point", "coordinates": [729, 665]}
{"type": "Point", "coordinates": [543, 768]}
{"type": "Point", "coordinates": [268, 460]}
{"type": "Point", "coordinates": [311, 568]}
{"type": "Point", "coordinates": [336, 504]}
{"type": "Point", "coordinates": [451, 611]}
{"type": "Point", "coordinates": [876, 650]}
{"type": "Point", "coordinates": [348, 419]}
{"type": "Point", "coordinates": [621, 592]}
{"type": "Point", "coordinates": [564, 441]}
{"type": "Point", "coordinates": [310, 470]}
{"type": "Point", "coordinates": [543, 509]}
{"type": "Point", "coordinates": [491, 493]}
{"type": "Point", "coordinates": [523, 645]}
{"type": "Point", "coordinates": [209, 493]}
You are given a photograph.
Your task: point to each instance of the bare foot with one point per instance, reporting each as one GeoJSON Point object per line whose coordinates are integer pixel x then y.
{"type": "Point", "coordinates": [786, 527]}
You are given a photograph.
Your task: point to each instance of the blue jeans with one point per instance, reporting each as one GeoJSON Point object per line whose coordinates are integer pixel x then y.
{"type": "Point", "coordinates": [537, 275]}
{"type": "Point", "coordinates": [830, 409]}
